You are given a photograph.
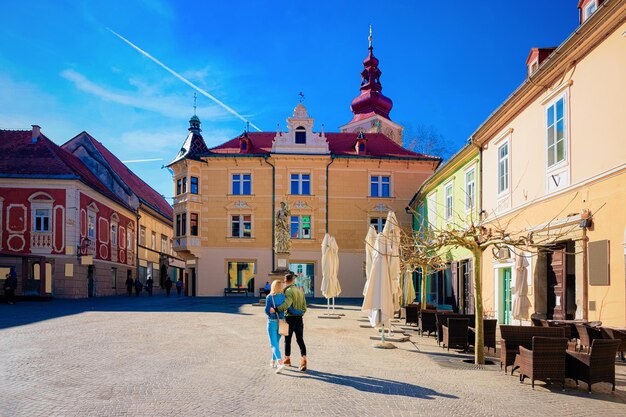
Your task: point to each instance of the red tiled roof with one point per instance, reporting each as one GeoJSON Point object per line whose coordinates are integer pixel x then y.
{"type": "Point", "coordinates": [340, 144]}
{"type": "Point", "coordinates": [21, 158]}
{"type": "Point", "coordinates": [144, 192]}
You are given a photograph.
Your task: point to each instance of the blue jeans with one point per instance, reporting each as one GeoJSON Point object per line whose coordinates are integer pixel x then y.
{"type": "Point", "coordinates": [272, 332]}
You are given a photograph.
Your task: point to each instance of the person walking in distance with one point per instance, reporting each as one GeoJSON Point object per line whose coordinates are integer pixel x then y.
{"type": "Point", "coordinates": [168, 285]}
{"type": "Point", "coordinates": [149, 285]}
{"type": "Point", "coordinates": [295, 299]}
{"type": "Point", "coordinates": [138, 286]}
{"type": "Point", "coordinates": [10, 285]}
{"type": "Point", "coordinates": [179, 286]}
{"type": "Point", "coordinates": [129, 285]}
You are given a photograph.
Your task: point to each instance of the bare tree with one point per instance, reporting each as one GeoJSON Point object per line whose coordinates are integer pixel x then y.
{"type": "Point", "coordinates": [427, 140]}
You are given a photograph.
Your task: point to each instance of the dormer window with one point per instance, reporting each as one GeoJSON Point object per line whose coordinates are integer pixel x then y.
{"type": "Point", "coordinates": [533, 67]}
{"type": "Point", "coordinates": [300, 135]}
{"type": "Point", "coordinates": [588, 9]}
{"type": "Point", "coordinates": [360, 144]}
{"type": "Point", "coordinates": [244, 143]}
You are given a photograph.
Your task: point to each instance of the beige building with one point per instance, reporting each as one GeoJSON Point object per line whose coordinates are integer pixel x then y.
{"type": "Point", "coordinates": [554, 162]}
{"type": "Point", "coordinates": [336, 183]}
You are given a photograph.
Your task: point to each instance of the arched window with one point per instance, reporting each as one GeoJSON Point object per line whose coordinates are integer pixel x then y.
{"type": "Point", "coordinates": [300, 135]}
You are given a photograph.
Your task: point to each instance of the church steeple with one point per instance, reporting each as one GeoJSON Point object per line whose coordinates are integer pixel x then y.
{"type": "Point", "coordinates": [371, 108]}
{"type": "Point", "coordinates": [371, 99]}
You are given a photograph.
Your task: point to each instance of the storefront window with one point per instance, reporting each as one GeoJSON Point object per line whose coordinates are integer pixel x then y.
{"type": "Point", "coordinates": [304, 277]}
{"type": "Point", "coordinates": [241, 275]}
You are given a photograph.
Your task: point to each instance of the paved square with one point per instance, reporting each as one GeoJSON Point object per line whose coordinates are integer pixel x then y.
{"type": "Point", "coordinates": [210, 356]}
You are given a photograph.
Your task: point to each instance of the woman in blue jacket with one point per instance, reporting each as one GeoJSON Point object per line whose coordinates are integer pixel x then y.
{"type": "Point", "coordinates": [272, 301]}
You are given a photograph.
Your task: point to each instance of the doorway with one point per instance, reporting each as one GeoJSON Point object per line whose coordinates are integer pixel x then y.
{"type": "Point", "coordinates": [504, 295]}
{"type": "Point", "coordinates": [91, 285]}
{"type": "Point", "coordinates": [466, 285]}
{"type": "Point", "coordinates": [561, 276]}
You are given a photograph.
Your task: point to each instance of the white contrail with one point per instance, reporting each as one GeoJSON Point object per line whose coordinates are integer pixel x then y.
{"type": "Point", "coordinates": [130, 161]}
{"type": "Point", "coordinates": [183, 79]}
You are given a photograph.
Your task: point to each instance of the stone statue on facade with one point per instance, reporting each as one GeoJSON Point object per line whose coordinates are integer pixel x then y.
{"type": "Point", "coordinates": [282, 236]}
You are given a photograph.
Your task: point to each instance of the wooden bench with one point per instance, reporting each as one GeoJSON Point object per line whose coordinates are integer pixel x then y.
{"type": "Point", "coordinates": [243, 291]}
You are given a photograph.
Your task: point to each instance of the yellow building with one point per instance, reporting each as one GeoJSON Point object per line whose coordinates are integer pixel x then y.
{"type": "Point", "coordinates": [554, 162]}
{"type": "Point", "coordinates": [336, 183]}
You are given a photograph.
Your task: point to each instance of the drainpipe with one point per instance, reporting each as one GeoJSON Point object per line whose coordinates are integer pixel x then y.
{"type": "Point", "coordinates": [585, 276]}
{"type": "Point", "coordinates": [137, 243]}
{"type": "Point", "coordinates": [273, 205]}
{"type": "Point", "coordinates": [332, 159]}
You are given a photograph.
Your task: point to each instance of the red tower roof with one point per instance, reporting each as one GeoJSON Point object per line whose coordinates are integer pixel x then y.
{"type": "Point", "coordinates": [371, 100]}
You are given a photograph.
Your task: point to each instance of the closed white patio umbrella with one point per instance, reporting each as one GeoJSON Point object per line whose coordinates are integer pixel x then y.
{"type": "Point", "coordinates": [392, 232]}
{"type": "Point", "coordinates": [378, 301]}
{"type": "Point", "coordinates": [370, 240]}
{"type": "Point", "coordinates": [408, 289]}
{"type": "Point", "coordinates": [521, 303]}
{"type": "Point", "coordinates": [330, 269]}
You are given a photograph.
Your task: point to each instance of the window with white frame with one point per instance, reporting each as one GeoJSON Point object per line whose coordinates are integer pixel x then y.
{"type": "Point", "coordinates": [129, 239]}
{"type": "Point", "coordinates": [449, 202]}
{"type": "Point", "coordinates": [300, 184]}
{"type": "Point", "coordinates": [380, 186]}
{"type": "Point", "coordinates": [301, 227]}
{"type": "Point", "coordinates": [114, 234]}
{"type": "Point", "coordinates": [470, 189]}
{"type": "Point", "coordinates": [41, 220]}
{"type": "Point", "coordinates": [503, 168]}
{"type": "Point", "coordinates": [241, 225]}
{"type": "Point", "coordinates": [91, 225]}
{"type": "Point", "coordinates": [164, 244]}
{"type": "Point", "coordinates": [589, 9]}
{"type": "Point", "coordinates": [142, 236]}
{"type": "Point", "coordinates": [556, 143]}
{"type": "Point", "coordinates": [378, 223]}
{"type": "Point", "coordinates": [153, 241]}
{"type": "Point", "coordinates": [241, 184]}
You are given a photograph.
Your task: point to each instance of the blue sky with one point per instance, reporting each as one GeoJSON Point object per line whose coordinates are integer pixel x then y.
{"type": "Point", "coordinates": [444, 64]}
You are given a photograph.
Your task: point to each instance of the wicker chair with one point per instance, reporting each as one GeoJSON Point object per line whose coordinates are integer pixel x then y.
{"type": "Point", "coordinates": [609, 333]}
{"type": "Point", "coordinates": [515, 336]}
{"type": "Point", "coordinates": [412, 314]}
{"type": "Point", "coordinates": [489, 327]}
{"type": "Point", "coordinates": [441, 318]}
{"type": "Point", "coordinates": [427, 322]}
{"type": "Point", "coordinates": [567, 327]}
{"type": "Point", "coordinates": [597, 366]}
{"type": "Point", "coordinates": [489, 333]}
{"type": "Point", "coordinates": [455, 333]}
{"type": "Point", "coordinates": [545, 362]}
{"type": "Point", "coordinates": [587, 335]}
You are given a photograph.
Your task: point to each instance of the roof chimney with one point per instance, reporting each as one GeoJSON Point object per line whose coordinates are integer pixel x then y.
{"type": "Point", "coordinates": [36, 133]}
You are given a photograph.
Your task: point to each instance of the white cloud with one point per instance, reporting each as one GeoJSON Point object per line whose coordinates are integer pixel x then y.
{"type": "Point", "coordinates": [145, 98]}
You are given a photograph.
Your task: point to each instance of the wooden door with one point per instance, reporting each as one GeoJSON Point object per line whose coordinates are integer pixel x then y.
{"type": "Point", "coordinates": [506, 296]}
{"type": "Point", "coordinates": [557, 284]}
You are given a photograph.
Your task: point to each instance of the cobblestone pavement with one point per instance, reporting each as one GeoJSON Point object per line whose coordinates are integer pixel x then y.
{"type": "Point", "coordinates": [198, 357]}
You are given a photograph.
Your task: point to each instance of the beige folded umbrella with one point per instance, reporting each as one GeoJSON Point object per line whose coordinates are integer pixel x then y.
{"type": "Point", "coordinates": [392, 232]}
{"type": "Point", "coordinates": [370, 240]}
{"type": "Point", "coordinates": [378, 301]}
{"type": "Point", "coordinates": [521, 303]}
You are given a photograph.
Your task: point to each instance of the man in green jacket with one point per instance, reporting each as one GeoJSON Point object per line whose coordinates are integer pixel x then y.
{"type": "Point", "coordinates": [294, 297]}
